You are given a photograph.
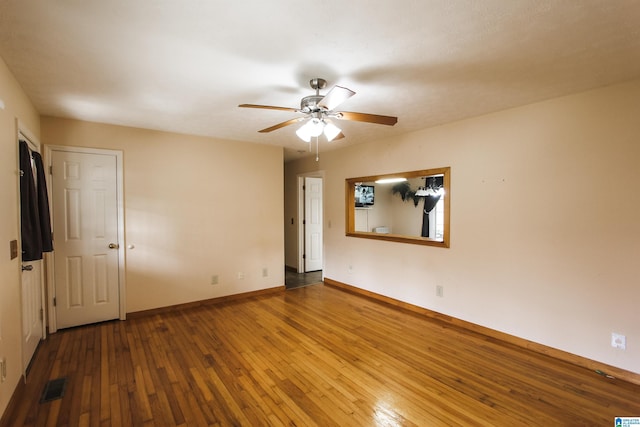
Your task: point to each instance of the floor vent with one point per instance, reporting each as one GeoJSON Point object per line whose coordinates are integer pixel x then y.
{"type": "Point", "coordinates": [54, 390]}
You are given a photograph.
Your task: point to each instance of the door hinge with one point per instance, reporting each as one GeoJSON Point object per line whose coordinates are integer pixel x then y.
{"type": "Point", "coordinates": [50, 170]}
{"type": "Point", "coordinates": [304, 222]}
{"type": "Point", "coordinates": [55, 303]}
{"type": "Point", "coordinates": [41, 315]}
{"type": "Point", "coordinates": [304, 256]}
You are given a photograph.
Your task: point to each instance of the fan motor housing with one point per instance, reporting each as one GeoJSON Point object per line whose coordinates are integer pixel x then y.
{"type": "Point", "coordinates": [310, 103]}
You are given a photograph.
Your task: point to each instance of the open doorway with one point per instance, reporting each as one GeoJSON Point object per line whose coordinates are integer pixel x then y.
{"type": "Point", "coordinates": [310, 257]}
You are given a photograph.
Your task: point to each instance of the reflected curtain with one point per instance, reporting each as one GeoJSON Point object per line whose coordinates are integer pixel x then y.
{"type": "Point", "coordinates": [429, 203]}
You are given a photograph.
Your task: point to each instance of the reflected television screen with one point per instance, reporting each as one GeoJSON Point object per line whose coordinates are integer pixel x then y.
{"type": "Point", "coordinates": [365, 195]}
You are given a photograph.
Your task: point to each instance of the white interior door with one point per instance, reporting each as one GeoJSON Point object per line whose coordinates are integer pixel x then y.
{"type": "Point", "coordinates": [32, 301]}
{"type": "Point", "coordinates": [85, 224]}
{"type": "Point", "coordinates": [32, 314]}
{"type": "Point", "coordinates": [312, 224]}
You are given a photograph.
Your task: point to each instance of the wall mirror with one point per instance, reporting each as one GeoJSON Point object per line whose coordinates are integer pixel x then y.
{"type": "Point", "coordinates": [409, 207]}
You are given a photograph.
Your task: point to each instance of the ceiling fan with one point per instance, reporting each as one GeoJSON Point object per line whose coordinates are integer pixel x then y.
{"type": "Point", "coordinates": [319, 110]}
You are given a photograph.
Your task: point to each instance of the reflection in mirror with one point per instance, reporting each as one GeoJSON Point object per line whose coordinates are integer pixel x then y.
{"type": "Point", "coordinates": [410, 207]}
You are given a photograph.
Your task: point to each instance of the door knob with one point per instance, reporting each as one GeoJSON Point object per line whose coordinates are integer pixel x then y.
{"type": "Point", "coordinates": [27, 267]}
{"type": "Point", "coordinates": [113, 246]}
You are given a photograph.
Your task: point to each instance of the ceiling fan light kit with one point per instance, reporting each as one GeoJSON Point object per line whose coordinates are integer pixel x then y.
{"type": "Point", "coordinates": [310, 129]}
{"type": "Point", "coordinates": [331, 131]}
{"type": "Point", "coordinates": [316, 127]}
{"type": "Point", "coordinates": [319, 110]}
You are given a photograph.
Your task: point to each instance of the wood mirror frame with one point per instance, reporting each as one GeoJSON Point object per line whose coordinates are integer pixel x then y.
{"type": "Point", "coordinates": [350, 208]}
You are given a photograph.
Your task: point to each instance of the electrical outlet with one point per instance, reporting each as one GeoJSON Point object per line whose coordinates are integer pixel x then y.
{"type": "Point", "coordinates": [240, 275]}
{"type": "Point", "coordinates": [214, 279]}
{"type": "Point", "coordinates": [439, 291]}
{"type": "Point", "coordinates": [618, 341]}
{"type": "Point", "coordinates": [265, 272]}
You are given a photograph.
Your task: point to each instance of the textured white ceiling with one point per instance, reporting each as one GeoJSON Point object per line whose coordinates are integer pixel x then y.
{"type": "Point", "coordinates": [184, 66]}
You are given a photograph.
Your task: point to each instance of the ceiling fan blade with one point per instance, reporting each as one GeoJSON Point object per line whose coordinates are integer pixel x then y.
{"type": "Point", "coordinates": [281, 125]}
{"type": "Point", "coordinates": [267, 107]}
{"type": "Point", "coordinates": [369, 118]}
{"type": "Point", "coordinates": [336, 96]}
{"type": "Point", "coordinates": [340, 136]}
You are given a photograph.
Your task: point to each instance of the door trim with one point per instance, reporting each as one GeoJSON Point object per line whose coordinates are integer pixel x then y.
{"type": "Point", "coordinates": [49, 149]}
{"type": "Point", "coordinates": [300, 196]}
{"type": "Point", "coordinates": [34, 142]}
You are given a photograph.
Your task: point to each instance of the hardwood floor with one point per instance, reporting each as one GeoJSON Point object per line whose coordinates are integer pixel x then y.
{"type": "Point", "coordinates": [314, 355]}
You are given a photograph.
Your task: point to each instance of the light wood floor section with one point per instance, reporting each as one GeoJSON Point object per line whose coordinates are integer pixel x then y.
{"type": "Point", "coordinates": [309, 356]}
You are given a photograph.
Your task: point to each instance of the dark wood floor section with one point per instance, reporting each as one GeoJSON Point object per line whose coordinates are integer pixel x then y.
{"type": "Point", "coordinates": [296, 280]}
{"type": "Point", "coordinates": [310, 356]}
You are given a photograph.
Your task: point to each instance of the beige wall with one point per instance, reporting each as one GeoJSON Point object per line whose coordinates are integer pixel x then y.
{"type": "Point", "coordinates": [17, 106]}
{"type": "Point", "coordinates": [194, 207]}
{"type": "Point", "coordinates": [545, 236]}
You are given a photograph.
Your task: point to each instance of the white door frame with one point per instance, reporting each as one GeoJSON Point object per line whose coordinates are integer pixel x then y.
{"type": "Point", "coordinates": [33, 142]}
{"type": "Point", "coordinates": [300, 196]}
{"type": "Point", "coordinates": [120, 208]}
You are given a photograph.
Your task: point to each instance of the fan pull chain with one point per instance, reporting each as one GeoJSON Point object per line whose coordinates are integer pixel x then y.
{"type": "Point", "coordinates": [317, 150]}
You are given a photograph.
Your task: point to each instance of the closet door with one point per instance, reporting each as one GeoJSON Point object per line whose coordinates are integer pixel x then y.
{"type": "Point", "coordinates": [31, 283]}
{"type": "Point", "coordinates": [85, 223]}
{"type": "Point", "coordinates": [32, 313]}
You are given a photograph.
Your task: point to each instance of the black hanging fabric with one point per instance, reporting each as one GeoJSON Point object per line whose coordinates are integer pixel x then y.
{"type": "Point", "coordinates": [429, 203]}
{"type": "Point", "coordinates": [35, 221]}
{"type": "Point", "coordinates": [29, 218]}
{"type": "Point", "coordinates": [43, 204]}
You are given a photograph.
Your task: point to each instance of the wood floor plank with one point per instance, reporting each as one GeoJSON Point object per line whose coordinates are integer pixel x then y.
{"type": "Point", "coordinates": [104, 394]}
{"type": "Point", "coordinates": [309, 356]}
